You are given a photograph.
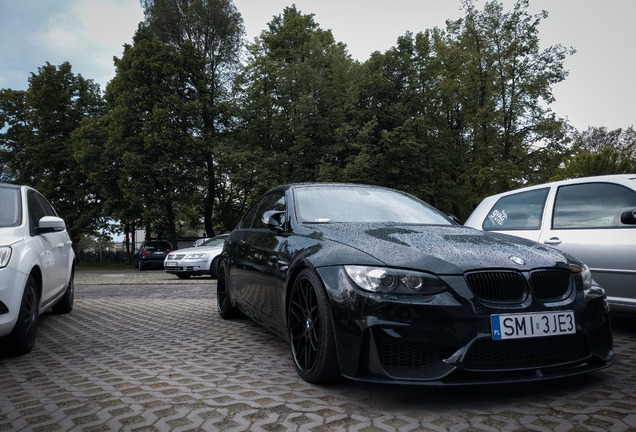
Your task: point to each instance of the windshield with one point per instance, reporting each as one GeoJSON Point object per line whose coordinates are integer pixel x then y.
{"type": "Point", "coordinates": [351, 203]}
{"type": "Point", "coordinates": [215, 241]}
{"type": "Point", "coordinates": [10, 209]}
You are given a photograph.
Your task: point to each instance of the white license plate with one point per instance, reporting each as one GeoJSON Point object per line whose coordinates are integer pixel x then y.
{"type": "Point", "coordinates": [516, 326]}
{"type": "Point", "coordinates": [170, 264]}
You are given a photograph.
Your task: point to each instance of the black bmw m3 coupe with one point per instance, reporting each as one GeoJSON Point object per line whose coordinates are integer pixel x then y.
{"type": "Point", "coordinates": [373, 284]}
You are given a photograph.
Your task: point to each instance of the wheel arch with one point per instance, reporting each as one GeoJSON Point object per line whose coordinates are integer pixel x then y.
{"type": "Point", "coordinates": [36, 273]}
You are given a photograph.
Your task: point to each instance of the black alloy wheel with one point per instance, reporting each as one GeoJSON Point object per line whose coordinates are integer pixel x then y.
{"type": "Point", "coordinates": [223, 302]}
{"type": "Point", "coordinates": [310, 330]}
{"type": "Point", "coordinates": [22, 337]}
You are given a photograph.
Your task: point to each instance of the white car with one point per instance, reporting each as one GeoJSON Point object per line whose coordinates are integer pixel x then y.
{"type": "Point", "coordinates": [196, 261]}
{"type": "Point", "coordinates": [37, 265]}
{"type": "Point", "coordinates": [591, 218]}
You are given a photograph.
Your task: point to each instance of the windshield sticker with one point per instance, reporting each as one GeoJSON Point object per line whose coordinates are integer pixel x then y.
{"type": "Point", "coordinates": [498, 217]}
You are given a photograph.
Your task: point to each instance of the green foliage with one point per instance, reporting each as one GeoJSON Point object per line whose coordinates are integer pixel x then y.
{"type": "Point", "coordinates": [499, 83]}
{"type": "Point", "coordinates": [295, 92]}
{"type": "Point", "coordinates": [598, 151]}
{"type": "Point", "coordinates": [37, 148]}
{"type": "Point", "coordinates": [215, 30]}
{"type": "Point", "coordinates": [154, 129]}
{"type": "Point", "coordinates": [449, 115]}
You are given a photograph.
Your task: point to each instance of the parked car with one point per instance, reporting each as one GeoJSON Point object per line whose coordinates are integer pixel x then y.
{"type": "Point", "coordinates": [196, 261]}
{"type": "Point", "coordinates": [375, 285]}
{"type": "Point", "coordinates": [592, 218]}
{"type": "Point", "coordinates": [151, 254]}
{"type": "Point", "coordinates": [37, 265]}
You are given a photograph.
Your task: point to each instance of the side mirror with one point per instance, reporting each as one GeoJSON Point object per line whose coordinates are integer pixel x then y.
{"type": "Point", "coordinates": [629, 217]}
{"type": "Point", "coordinates": [50, 224]}
{"type": "Point", "coordinates": [274, 220]}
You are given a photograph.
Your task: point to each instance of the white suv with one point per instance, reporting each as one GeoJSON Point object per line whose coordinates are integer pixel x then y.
{"type": "Point", "coordinates": [37, 265]}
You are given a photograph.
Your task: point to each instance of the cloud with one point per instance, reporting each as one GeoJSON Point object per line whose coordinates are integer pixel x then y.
{"type": "Point", "coordinates": [86, 33]}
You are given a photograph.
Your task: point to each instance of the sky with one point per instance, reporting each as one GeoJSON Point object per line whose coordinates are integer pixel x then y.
{"type": "Point", "coordinates": [600, 90]}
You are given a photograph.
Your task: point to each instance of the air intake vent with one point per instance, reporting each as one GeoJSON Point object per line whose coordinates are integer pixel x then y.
{"type": "Point", "coordinates": [551, 285]}
{"type": "Point", "coordinates": [499, 286]}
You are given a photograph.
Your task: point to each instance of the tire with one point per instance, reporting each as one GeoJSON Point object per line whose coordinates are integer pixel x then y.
{"type": "Point", "coordinates": [223, 301]}
{"type": "Point", "coordinates": [22, 338]}
{"type": "Point", "coordinates": [140, 266]}
{"type": "Point", "coordinates": [310, 331]}
{"type": "Point", "coordinates": [65, 304]}
{"type": "Point", "coordinates": [214, 268]}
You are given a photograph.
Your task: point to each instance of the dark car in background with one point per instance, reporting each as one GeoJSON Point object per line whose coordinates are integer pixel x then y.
{"type": "Point", "coordinates": [151, 254]}
{"type": "Point", "coordinates": [592, 218]}
{"type": "Point", "coordinates": [375, 285]}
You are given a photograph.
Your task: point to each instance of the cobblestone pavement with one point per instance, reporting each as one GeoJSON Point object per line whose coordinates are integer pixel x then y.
{"type": "Point", "coordinates": [148, 352]}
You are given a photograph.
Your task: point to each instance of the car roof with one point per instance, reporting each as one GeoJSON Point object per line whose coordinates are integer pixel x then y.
{"type": "Point", "coordinates": [10, 186]}
{"type": "Point", "coordinates": [617, 178]}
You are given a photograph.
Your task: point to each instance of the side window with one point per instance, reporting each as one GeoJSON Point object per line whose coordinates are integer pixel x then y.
{"type": "Point", "coordinates": [36, 211]}
{"type": "Point", "coordinates": [246, 222]}
{"type": "Point", "coordinates": [520, 211]}
{"type": "Point", "coordinates": [592, 205]}
{"type": "Point", "coordinates": [46, 206]}
{"type": "Point", "coordinates": [272, 201]}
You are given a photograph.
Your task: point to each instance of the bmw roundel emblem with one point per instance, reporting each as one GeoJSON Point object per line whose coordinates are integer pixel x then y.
{"type": "Point", "coordinates": [517, 260]}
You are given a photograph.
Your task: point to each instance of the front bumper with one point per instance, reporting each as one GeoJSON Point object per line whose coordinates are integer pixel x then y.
{"type": "Point", "coordinates": [187, 267]}
{"type": "Point", "coordinates": [12, 283]}
{"type": "Point", "coordinates": [446, 339]}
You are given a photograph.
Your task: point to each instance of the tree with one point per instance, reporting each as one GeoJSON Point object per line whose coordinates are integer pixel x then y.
{"type": "Point", "coordinates": [598, 151]}
{"type": "Point", "coordinates": [215, 29]}
{"type": "Point", "coordinates": [154, 126]}
{"type": "Point", "coordinates": [37, 147]}
{"type": "Point", "coordinates": [402, 139]}
{"type": "Point", "coordinates": [498, 83]}
{"type": "Point", "coordinates": [295, 95]}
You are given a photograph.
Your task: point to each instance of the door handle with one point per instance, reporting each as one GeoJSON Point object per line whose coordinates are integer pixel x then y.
{"type": "Point", "coordinates": [553, 241]}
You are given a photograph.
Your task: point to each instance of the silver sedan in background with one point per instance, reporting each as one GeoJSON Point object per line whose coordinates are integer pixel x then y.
{"type": "Point", "coordinates": [591, 218]}
{"type": "Point", "coordinates": [196, 261]}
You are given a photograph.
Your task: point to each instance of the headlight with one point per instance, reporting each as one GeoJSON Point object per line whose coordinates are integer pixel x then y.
{"type": "Point", "coordinates": [5, 256]}
{"type": "Point", "coordinates": [196, 256]}
{"type": "Point", "coordinates": [586, 275]}
{"type": "Point", "coordinates": [384, 280]}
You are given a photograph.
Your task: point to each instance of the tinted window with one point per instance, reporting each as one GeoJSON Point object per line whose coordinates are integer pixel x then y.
{"type": "Point", "coordinates": [324, 204]}
{"type": "Point", "coordinates": [216, 241]}
{"type": "Point", "coordinates": [520, 211]}
{"type": "Point", "coordinates": [157, 245]}
{"type": "Point", "coordinates": [246, 222]}
{"type": "Point", "coordinates": [10, 208]}
{"type": "Point", "coordinates": [592, 205]}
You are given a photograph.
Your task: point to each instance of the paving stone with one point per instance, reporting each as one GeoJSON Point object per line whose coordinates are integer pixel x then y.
{"type": "Point", "coordinates": [146, 351]}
